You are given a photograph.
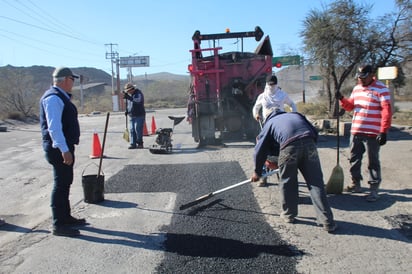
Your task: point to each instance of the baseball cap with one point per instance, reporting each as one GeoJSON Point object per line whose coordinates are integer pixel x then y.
{"type": "Point", "coordinates": [64, 72]}
{"type": "Point", "coordinates": [364, 71]}
{"type": "Point", "coordinates": [272, 80]}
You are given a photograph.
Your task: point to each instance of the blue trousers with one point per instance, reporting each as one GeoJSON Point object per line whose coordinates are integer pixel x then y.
{"type": "Point", "coordinates": [136, 130]}
{"type": "Point", "coordinates": [302, 155]}
{"type": "Point", "coordinates": [63, 178]}
{"type": "Point", "coordinates": [357, 149]}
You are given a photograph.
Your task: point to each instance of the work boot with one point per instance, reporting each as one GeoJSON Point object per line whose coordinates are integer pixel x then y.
{"type": "Point", "coordinates": [263, 182]}
{"type": "Point", "coordinates": [330, 227]}
{"type": "Point", "coordinates": [72, 221]}
{"type": "Point", "coordinates": [287, 218]}
{"type": "Point", "coordinates": [65, 231]}
{"type": "Point", "coordinates": [373, 195]}
{"type": "Point", "coordinates": [354, 187]}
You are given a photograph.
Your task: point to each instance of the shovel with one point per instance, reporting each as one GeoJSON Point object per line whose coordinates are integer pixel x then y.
{"type": "Point", "coordinates": [104, 142]}
{"type": "Point", "coordinates": [212, 194]}
{"type": "Point", "coordinates": [335, 183]}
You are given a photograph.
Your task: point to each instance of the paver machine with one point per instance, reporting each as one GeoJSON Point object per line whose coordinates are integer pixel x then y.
{"type": "Point", "coordinates": [224, 87]}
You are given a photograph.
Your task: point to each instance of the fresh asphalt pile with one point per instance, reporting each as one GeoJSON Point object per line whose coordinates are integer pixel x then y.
{"type": "Point", "coordinates": [226, 234]}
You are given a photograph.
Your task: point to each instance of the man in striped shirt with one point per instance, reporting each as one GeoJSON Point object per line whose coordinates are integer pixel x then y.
{"type": "Point", "coordinates": [371, 104]}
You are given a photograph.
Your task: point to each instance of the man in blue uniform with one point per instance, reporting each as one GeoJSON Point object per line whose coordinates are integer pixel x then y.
{"type": "Point", "coordinates": [291, 136]}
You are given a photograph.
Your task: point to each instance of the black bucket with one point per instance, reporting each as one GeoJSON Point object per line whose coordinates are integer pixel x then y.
{"type": "Point", "coordinates": [93, 188]}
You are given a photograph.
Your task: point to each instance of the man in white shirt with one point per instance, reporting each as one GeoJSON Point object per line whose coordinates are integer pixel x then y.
{"type": "Point", "coordinates": [271, 97]}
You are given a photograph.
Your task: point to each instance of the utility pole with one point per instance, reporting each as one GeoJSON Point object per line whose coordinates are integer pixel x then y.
{"type": "Point", "coordinates": [303, 80]}
{"type": "Point", "coordinates": [81, 92]}
{"type": "Point", "coordinates": [113, 56]}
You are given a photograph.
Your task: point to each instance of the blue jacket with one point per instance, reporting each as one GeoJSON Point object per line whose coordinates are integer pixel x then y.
{"type": "Point", "coordinates": [280, 130]}
{"type": "Point", "coordinates": [135, 104]}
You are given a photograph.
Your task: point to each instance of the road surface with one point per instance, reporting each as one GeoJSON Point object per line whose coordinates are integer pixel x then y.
{"type": "Point", "coordinates": [139, 228]}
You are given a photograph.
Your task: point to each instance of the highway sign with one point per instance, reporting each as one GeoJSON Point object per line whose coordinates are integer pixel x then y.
{"type": "Point", "coordinates": [288, 60]}
{"type": "Point", "coordinates": [315, 77]}
{"type": "Point", "coordinates": [134, 61]}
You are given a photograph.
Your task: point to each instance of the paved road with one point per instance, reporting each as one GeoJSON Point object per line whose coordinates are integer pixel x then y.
{"type": "Point", "coordinates": [139, 229]}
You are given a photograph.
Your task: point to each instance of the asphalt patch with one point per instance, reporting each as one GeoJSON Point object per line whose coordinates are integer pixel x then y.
{"type": "Point", "coordinates": [402, 223]}
{"type": "Point", "coordinates": [225, 234]}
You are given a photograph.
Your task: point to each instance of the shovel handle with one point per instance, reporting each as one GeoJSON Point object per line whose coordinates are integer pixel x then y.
{"type": "Point", "coordinates": [104, 141]}
{"type": "Point", "coordinates": [211, 194]}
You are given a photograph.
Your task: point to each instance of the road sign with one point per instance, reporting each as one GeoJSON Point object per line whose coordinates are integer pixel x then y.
{"type": "Point", "coordinates": [315, 77]}
{"type": "Point", "coordinates": [134, 61]}
{"type": "Point", "coordinates": [387, 73]}
{"type": "Point", "coordinates": [288, 60]}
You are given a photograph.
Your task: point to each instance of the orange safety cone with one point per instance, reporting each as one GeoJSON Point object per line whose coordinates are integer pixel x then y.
{"type": "Point", "coordinates": [96, 147]}
{"type": "Point", "coordinates": [145, 132]}
{"type": "Point", "coordinates": [153, 125]}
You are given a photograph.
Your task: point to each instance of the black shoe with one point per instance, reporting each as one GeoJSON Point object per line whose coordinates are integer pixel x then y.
{"type": "Point", "coordinates": [132, 147]}
{"type": "Point", "coordinates": [75, 221]}
{"type": "Point", "coordinates": [330, 227]}
{"type": "Point", "coordinates": [65, 231]}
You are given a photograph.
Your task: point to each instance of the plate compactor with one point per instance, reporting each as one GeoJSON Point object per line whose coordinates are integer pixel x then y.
{"type": "Point", "coordinates": [163, 142]}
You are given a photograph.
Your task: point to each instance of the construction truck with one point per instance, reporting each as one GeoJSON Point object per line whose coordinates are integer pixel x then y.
{"type": "Point", "coordinates": [224, 87]}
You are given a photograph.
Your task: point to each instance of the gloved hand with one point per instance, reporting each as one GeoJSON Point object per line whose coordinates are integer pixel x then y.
{"type": "Point", "coordinates": [338, 95]}
{"type": "Point", "coordinates": [381, 138]}
{"type": "Point", "coordinates": [271, 165]}
{"type": "Point", "coordinates": [125, 113]}
{"type": "Point", "coordinates": [126, 96]}
{"type": "Point", "coordinates": [255, 177]}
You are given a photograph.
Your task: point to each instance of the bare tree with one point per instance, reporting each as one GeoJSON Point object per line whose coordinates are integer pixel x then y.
{"type": "Point", "coordinates": [15, 96]}
{"type": "Point", "coordinates": [341, 36]}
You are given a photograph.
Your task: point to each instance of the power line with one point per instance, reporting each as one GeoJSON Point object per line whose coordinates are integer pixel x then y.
{"type": "Point", "coordinates": [46, 29]}
{"type": "Point", "coordinates": [40, 49]}
{"type": "Point", "coordinates": [60, 47]}
{"type": "Point", "coordinates": [28, 14]}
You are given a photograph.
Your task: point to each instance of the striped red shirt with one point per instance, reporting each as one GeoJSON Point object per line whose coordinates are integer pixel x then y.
{"type": "Point", "coordinates": [371, 107]}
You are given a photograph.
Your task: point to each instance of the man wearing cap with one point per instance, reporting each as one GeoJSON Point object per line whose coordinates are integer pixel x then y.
{"type": "Point", "coordinates": [293, 138]}
{"type": "Point", "coordinates": [60, 133]}
{"type": "Point", "coordinates": [137, 114]}
{"type": "Point", "coordinates": [370, 101]}
{"type": "Point", "coordinates": [271, 97]}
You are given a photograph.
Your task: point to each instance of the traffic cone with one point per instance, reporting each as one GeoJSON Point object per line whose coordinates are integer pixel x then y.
{"type": "Point", "coordinates": [153, 125]}
{"type": "Point", "coordinates": [145, 132]}
{"type": "Point", "coordinates": [96, 147]}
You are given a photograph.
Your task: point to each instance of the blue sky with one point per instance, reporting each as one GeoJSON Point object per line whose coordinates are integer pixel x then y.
{"type": "Point", "coordinates": [75, 33]}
